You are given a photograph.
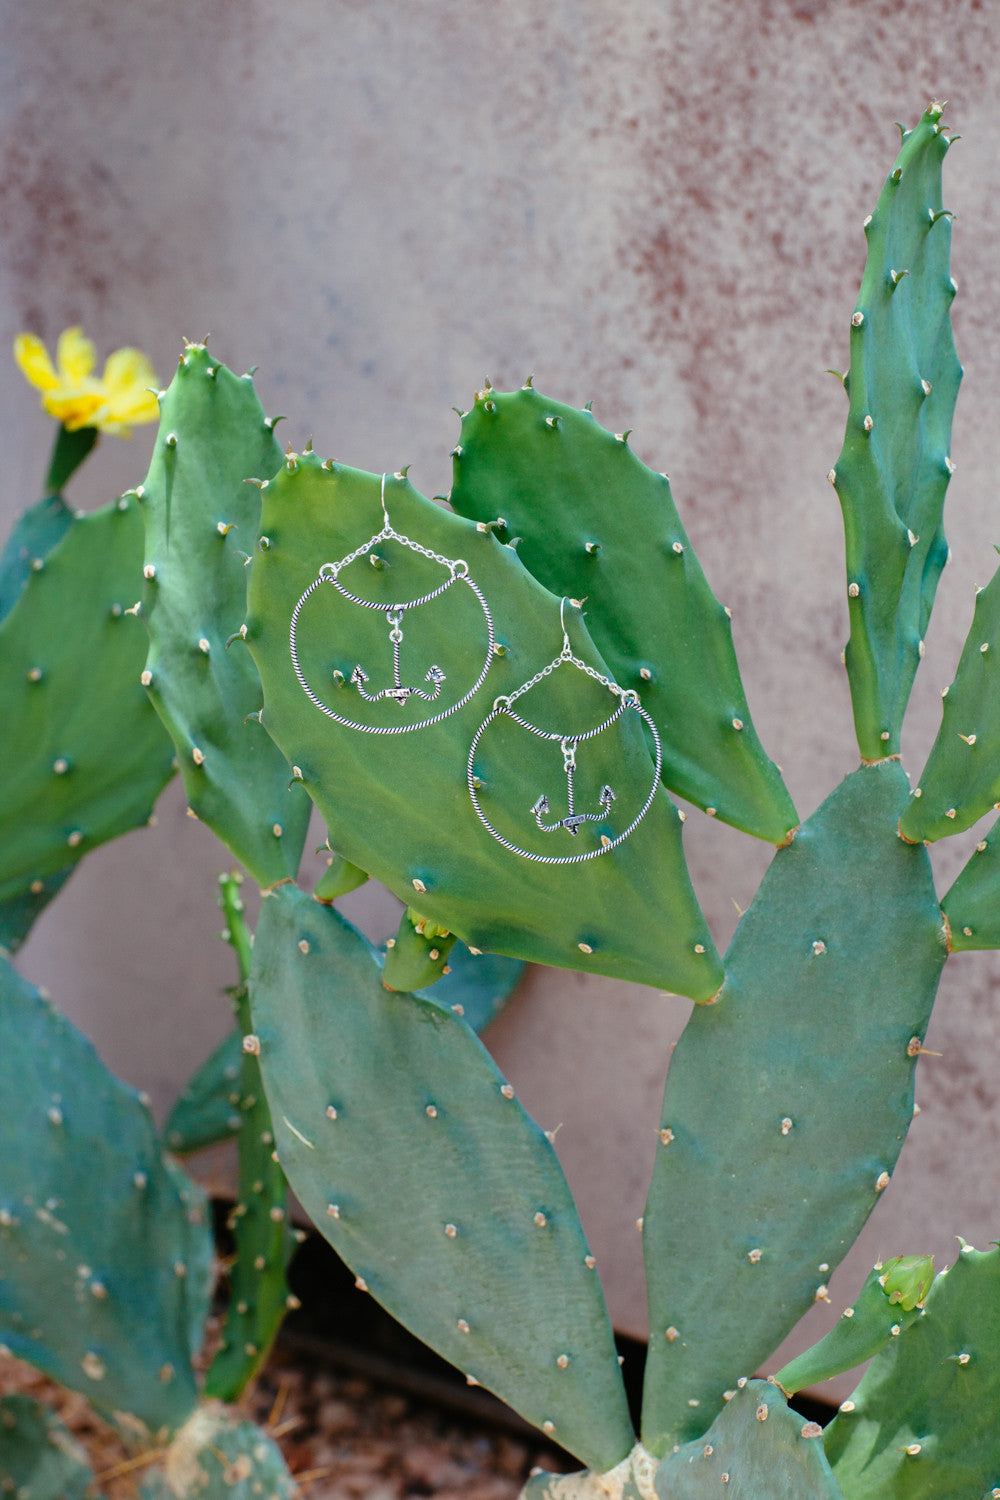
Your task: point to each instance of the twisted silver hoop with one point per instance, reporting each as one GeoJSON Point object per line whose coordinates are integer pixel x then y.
{"type": "Point", "coordinates": [628, 700]}
{"type": "Point", "coordinates": [400, 693]}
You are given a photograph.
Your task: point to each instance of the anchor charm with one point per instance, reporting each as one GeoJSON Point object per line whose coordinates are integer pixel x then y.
{"type": "Point", "coordinates": [573, 819]}
{"type": "Point", "coordinates": [399, 691]}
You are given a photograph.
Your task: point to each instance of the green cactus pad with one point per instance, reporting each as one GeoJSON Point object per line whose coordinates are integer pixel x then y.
{"type": "Point", "coordinates": [478, 986]}
{"type": "Point", "coordinates": [201, 514]}
{"type": "Point", "coordinates": [972, 905]}
{"type": "Point", "coordinates": [258, 1291]}
{"type": "Point", "coordinates": [922, 1423]}
{"type": "Point", "coordinates": [338, 879]}
{"type": "Point", "coordinates": [411, 1154]}
{"type": "Point", "coordinates": [208, 1109]}
{"type": "Point", "coordinates": [80, 739]}
{"type": "Point", "coordinates": [961, 780]}
{"type": "Point", "coordinates": [788, 1099]}
{"type": "Point", "coordinates": [878, 1315]}
{"type": "Point", "coordinates": [895, 464]}
{"type": "Point", "coordinates": [19, 914]}
{"type": "Point", "coordinates": [757, 1447]}
{"type": "Point", "coordinates": [39, 1458]}
{"type": "Point", "coordinates": [611, 904]}
{"type": "Point", "coordinates": [216, 1456]}
{"type": "Point", "coordinates": [35, 534]}
{"type": "Point", "coordinates": [111, 1303]}
{"type": "Point", "coordinates": [594, 523]}
{"type": "Point", "coordinates": [418, 955]}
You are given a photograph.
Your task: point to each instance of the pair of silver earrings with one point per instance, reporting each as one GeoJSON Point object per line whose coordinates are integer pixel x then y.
{"type": "Point", "coordinates": [403, 693]}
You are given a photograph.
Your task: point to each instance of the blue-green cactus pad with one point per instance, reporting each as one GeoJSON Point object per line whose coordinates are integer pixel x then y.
{"type": "Point", "coordinates": [972, 905]}
{"type": "Point", "coordinates": [895, 464]}
{"type": "Point", "coordinates": [201, 514]}
{"type": "Point", "coordinates": [788, 1099]}
{"type": "Point", "coordinates": [478, 986]}
{"type": "Point", "coordinates": [595, 523]}
{"type": "Point", "coordinates": [105, 1249]}
{"type": "Point", "coordinates": [398, 804]}
{"type": "Point", "coordinates": [218, 1457]}
{"type": "Point", "coordinates": [756, 1449]}
{"type": "Point", "coordinates": [961, 780]}
{"type": "Point", "coordinates": [922, 1423]}
{"type": "Point", "coordinates": [411, 1154]}
{"type": "Point", "coordinates": [39, 1458]}
{"type": "Point", "coordinates": [874, 1319]}
{"type": "Point", "coordinates": [35, 533]}
{"type": "Point", "coordinates": [84, 756]}
{"type": "Point", "coordinates": [208, 1108]}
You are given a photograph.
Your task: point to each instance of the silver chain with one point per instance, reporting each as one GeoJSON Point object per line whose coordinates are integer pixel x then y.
{"type": "Point", "coordinates": [628, 699]}
{"type": "Point", "coordinates": [458, 568]}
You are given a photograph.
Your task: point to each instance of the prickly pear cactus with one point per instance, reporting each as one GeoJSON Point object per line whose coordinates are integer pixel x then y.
{"type": "Point", "coordinates": [409, 1151]}
{"type": "Point", "coordinates": [507, 715]}
{"type": "Point", "coordinates": [592, 522]}
{"type": "Point", "coordinates": [756, 1447]}
{"type": "Point", "coordinates": [201, 520]}
{"type": "Point", "coordinates": [39, 1458]}
{"type": "Point", "coordinates": [922, 1423]}
{"type": "Point", "coordinates": [895, 464]}
{"type": "Point", "coordinates": [258, 1291]}
{"type": "Point", "coordinates": [113, 1303]}
{"type": "Point", "coordinates": [80, 738]}
{"type": "Point", "coordinates": [418, 955]}
{"type": "Point", "coordinates": [961, 780]}
{"type": "Point", "coordinates": [890, 1300]}
{"type": "Point", "coordinates": [972, 905]}
{"type": "Point", "coordinates": [796, 1151]}
{"type": "Point", "coordinates": [35, 534]}
{"type": "Point", "coordinates": [215, 1456]}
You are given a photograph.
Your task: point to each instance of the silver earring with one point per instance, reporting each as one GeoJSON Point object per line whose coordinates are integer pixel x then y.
{"type": "Point", "coordinates": [568, 743]}
{"type": "Point", "coordinates": [401, 692]}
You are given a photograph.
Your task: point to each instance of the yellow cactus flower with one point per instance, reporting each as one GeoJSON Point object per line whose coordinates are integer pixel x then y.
{"type": "Point", "coordinates": [76, 397]}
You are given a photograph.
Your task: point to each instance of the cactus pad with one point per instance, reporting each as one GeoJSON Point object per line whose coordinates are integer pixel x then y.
{"type": "Point", "coordinates": [35, 534]}
{"type": "Point", "coordinates": [972, 905]}
{"type": "Point", "coordinates": [879, 1314]}
{"type": "Point", "coordinates": [39, 1458]}
{"type": "Point", "coordinates": [961, 780]}
{"type": "Point", "coordinates": [216, 1456]}
{"type": "Point", "coordinates": [895, 464]}
{"type": "Point", "coordinates": [410, 1152]}
{"type": "Point", "coordinates": [922, 1422]}
{"type": "Point", "coordinates": [583, 898]}
{"type": "Point", "coordinates": [757, 1446]}
{"type": "Point", "coordinates": [80, 737]}
{"type": "Point", "coordinates": [594, 523]}
{"type": "Point", "coordinates": [110, 1303]}
{"type": "Point", "coordinates": [201, 514]}
{"type": "Point", "coordinates": [796, 1149]}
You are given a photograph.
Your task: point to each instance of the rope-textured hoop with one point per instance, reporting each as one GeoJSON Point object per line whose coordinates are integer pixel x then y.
{"type": "Point", "coordinates": [627, 699]}
{"type": "Point", "coordinates": [458, 570]}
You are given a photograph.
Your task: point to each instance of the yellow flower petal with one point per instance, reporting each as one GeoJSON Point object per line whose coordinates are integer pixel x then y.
{"type": "Point", "coordinates": [75, 356]}
{"type": "Point", "coordinates": [74, 409]}
{"type": "Point", "coordinates": [75, 396]}
{"type": "Point", "coordinates": [129, 390]}
{"type": "Point", "coordinates": [33, 361]}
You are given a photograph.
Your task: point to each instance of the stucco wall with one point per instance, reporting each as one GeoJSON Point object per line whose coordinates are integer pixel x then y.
{"type": "Point", "coordinates": [655, 205]}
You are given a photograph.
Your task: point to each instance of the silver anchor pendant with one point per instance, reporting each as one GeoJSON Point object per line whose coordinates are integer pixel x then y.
{"type": "Point", "coordinates": [400, 692]}
{"type": "Point", "coordinates": [573, 819]}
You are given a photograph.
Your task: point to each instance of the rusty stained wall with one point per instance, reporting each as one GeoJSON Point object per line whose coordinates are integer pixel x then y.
{"type": "Point", "coordinates": [655, 206]}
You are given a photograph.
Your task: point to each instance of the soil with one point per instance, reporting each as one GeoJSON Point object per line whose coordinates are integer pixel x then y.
{"type": "Point", "coordinates": [345, 1436]}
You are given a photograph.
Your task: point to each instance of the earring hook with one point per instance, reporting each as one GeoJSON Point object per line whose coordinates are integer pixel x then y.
{"type": "Point", "coordinates": [385, 512]}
